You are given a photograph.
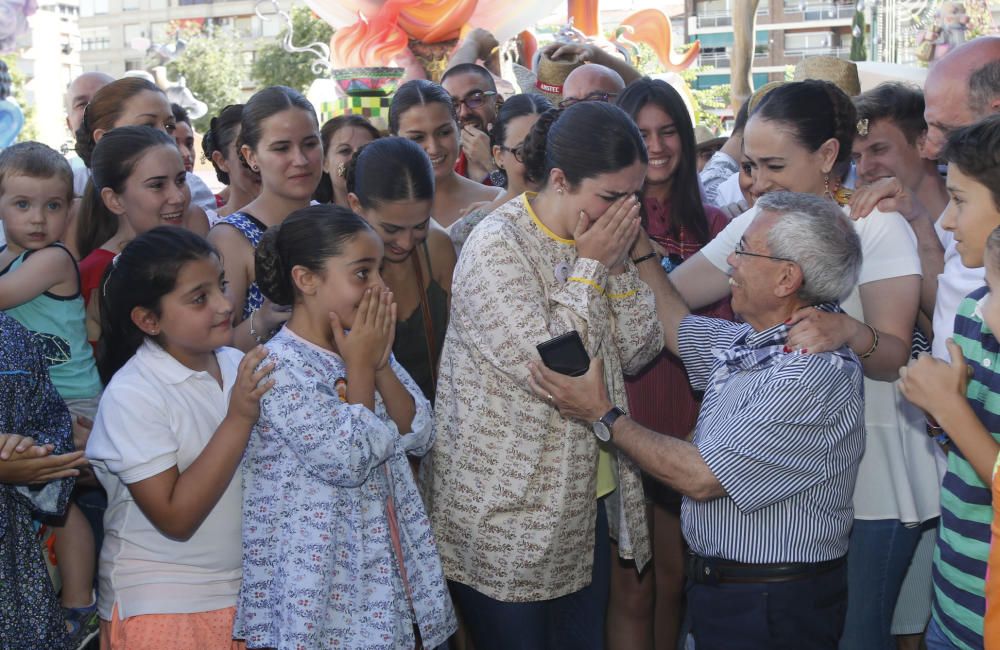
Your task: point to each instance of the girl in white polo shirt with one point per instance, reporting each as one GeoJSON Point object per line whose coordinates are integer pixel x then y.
{"type": "Point", "coordinates": [167, 441]}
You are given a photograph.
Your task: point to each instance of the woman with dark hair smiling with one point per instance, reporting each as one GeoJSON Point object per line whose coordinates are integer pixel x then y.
{"type": "Point", "coordinates": [390, 183]}
{"type": "Point", "coordinates": [660, 397]}
{"type": "Point", "coordinates": [423, 111]}
{"type": "Point", "coordinates": [523, 501]}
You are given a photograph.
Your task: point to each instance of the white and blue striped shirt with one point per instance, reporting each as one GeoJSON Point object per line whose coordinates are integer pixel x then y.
{"type": "Point", "coordinates": [783, 433]}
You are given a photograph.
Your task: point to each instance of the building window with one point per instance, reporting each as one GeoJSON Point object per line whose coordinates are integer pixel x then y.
{"type": "Point", "coordinates": [130, 5]}
{"type": "Point", "coordinates": [98, 38]}
{"type": "Point", "coordinates": [132, 34]}
{"type": "Point", "coordinates": [134, 64]}
{"type": "Point", "coordinates": [810, 42]}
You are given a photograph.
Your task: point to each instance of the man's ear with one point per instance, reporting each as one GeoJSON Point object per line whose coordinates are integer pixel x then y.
{"type": "Point", "coordinates": [790, 280]}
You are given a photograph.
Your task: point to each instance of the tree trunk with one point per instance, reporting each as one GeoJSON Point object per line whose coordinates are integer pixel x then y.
{"type": "Point", "coordinates": [741, 57]}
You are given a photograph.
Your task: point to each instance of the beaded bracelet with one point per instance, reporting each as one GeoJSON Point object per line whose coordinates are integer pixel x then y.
{"type": "Point", "coordinates": [253, 332]}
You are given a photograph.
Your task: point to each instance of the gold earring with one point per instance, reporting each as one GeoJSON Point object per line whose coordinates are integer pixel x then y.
{"type": "Point", "coordinates": [826, 188]}
{"type": "Point", "coordinates": [342, 170]}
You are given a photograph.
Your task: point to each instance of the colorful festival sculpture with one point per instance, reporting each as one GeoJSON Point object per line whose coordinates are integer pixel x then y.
{"type": "Point", "coordinates": [379, 42]}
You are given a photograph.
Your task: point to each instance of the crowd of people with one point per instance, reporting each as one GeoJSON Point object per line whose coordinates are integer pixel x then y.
{"type": "Point", "coordinates": [317, 410]}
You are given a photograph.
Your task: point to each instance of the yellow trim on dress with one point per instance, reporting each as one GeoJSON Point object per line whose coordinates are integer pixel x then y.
{"type": "Point", "coordinates": [587, 281]}
{"type": "Point", "coordinates": [538, 222]}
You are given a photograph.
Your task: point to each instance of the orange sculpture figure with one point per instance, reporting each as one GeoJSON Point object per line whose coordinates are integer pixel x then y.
{"type": "Point", "coordinates": [392, 32]}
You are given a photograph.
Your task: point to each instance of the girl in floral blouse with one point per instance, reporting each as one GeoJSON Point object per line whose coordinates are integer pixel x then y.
{"type": "Point", "coordinates": [337, 549]}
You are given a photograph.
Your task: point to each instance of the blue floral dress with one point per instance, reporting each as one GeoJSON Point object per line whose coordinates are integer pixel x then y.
{"type": "Point", "coordinates": [337, 547]}
{"type": "Point", "coordinates": [30, 616]}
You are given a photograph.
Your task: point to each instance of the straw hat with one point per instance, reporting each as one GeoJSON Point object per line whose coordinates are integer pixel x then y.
{"type": "Point", "coordinates": [703, 137]}
{"type": "Point", "coordinates": [841, 73]}
{"type": "Point", "coordinates": [551, 74]}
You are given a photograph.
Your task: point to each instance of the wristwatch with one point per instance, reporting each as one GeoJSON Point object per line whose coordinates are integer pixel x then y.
{"type": "Point", "coordinates": [602, 428]}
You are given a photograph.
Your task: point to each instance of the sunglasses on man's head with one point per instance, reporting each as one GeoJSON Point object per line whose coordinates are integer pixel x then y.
{"type": "Point", "coordinates": [597, 96]}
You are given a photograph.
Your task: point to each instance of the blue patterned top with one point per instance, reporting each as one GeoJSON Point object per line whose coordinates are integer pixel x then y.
{"type": "Point", "coordinates": [252, 229]}
{"type": "Point", "coordinates": [30, 616]}
{"type": "Point", "coordinates": [325, 483]}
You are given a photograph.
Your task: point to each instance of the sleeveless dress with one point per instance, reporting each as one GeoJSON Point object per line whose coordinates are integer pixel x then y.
{"type": "Point", "coordinates": [411, 346]}
{"type": "Point", "coordinates": [251, 228]}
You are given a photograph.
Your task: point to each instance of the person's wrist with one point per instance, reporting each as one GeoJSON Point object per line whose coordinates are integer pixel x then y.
{"type": "Point", "coordinates": [601, 409]}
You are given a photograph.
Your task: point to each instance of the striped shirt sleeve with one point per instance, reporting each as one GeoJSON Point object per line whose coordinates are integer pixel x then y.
{"type": "Point", "coordinates": [778, 444]}
{"type": "Point", "coordinates": [698, 337]}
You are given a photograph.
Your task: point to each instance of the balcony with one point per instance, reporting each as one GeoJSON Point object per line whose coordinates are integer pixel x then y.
{"type": "Point", "coordinates": [839, 52]}
{"type": "Point", "coordinates": [722, 18]}
{"type": "Point", "coordinates": [723, 59]}
{"type": "Point", "coordinates": [824, 11]}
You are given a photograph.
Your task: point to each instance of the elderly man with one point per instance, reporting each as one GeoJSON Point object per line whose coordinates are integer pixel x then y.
{"type": "Point", "coordinates": [591, 82]}
{"type": "Point", "coordinates": [78, 95]}
{"type": "Point", "coordinates": [474, 93]}
{"type": "Point", "coordinates": [769, 476]}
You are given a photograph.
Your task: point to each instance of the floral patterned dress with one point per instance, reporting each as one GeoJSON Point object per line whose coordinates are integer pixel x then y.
{"type": "Point", "coordinates": [337, 547]}
{"type": "Point", "coordinates": [511, 485]}
{"type": "Point", "coordinates": [30, 616]}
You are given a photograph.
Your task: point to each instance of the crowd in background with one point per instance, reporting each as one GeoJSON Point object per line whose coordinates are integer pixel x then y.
{"type": "Point", "coordinates": [310, 411]}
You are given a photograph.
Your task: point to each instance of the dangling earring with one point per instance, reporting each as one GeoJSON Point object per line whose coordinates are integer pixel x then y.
{"type": "Point", "coordinates": [826, 185]}
{"type": "Point", "coordinates": [342, 170]}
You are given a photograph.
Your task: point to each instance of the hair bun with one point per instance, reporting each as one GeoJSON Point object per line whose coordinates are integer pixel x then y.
{"type": "Point", "coordinates": [536, 143]}
{"type": "Point", "coordinates": [274, 283]}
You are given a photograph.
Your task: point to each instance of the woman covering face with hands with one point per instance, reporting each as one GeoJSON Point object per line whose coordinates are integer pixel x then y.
{"type": "Point", "coordinates": [508, 472]}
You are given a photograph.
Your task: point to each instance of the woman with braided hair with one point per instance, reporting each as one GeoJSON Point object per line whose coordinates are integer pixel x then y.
{"type": "Point", "coordinates": [799, 139]}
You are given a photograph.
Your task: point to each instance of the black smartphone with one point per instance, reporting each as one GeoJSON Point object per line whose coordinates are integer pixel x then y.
{"type": "Point", "coordinates": [565, 354]}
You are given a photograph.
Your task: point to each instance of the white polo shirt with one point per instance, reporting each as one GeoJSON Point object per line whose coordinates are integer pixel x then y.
{"type": "Point", "coordinates": [157, 413]}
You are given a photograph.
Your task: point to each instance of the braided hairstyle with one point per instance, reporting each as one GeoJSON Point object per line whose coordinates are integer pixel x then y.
{"type": "Point", "coordinates": [106, 107]}
{"type": "Point", "coordinates": [612, 142]}
{"type": "Point", "coordinates": [308, 237]}
{"type": "Point", "coordinates": [816, 111]}
{"type": "Point", "coordinates": [222, 132]}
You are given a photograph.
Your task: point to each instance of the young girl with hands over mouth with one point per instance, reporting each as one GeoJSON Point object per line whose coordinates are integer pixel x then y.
{"type": "Point", "coordinates": [336, 544]}
{"type": "Point", "coordinates": [166, 445]}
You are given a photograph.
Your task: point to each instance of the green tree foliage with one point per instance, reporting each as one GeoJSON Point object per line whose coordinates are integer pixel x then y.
{"type": "Point", "coordinates": [29, 131]}
{"type": "Point", "coordinates": [706, 101]}
{"type": "Point", "coordinates": [858, 50]}
{"type": "Point", "coordinates": [274, 66]}
{"type": "Point", "coordinates": [213, 66]}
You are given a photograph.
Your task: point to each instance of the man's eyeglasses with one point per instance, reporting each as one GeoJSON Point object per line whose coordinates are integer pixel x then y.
{"type": "Point", "coordinates": [518, 152]}
{"type": "Point", "coordinates": [592, 97]}
{"type": "Point", "coordinates": [474, 100]}
{"type": "Point", "coordinates": [740, 250]}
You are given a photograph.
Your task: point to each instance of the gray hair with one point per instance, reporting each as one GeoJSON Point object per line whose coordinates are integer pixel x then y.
{"type": "Point", "coordinates": [815, 234]}
{"type": "Point", "coordinates": [984, 87]}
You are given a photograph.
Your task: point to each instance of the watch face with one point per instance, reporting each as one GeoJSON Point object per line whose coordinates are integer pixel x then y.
{"type": "Point", "coordinates": [602, 431]}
